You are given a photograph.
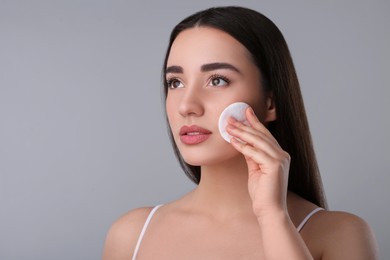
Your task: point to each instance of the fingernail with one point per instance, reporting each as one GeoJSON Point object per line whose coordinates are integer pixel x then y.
{"type": "Point", "coordinates": [232, 120]}
{"type": "Point", "coordinates": [251, 111]}
{"type": "Point", "coordinates": [230, 127]}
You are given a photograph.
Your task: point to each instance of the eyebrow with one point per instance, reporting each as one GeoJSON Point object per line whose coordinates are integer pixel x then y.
{"type": "Point", "coordinates": [204, 68]}
{"type": "Point", "coordinates": [174, 69]}
{"type": "Point", "coordinates": [218, 65]}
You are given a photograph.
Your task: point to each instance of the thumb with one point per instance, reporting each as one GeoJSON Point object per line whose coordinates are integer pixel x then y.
{"type": "Point", "coordinates": [252, 165]}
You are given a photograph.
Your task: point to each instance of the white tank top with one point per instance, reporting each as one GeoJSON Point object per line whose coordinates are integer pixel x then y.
{"type": "Point", "coordinates": [149, 218]}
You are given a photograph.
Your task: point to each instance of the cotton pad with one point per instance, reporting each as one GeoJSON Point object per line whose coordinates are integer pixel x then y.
{"type": "Point", "coordinates": [235, 110]}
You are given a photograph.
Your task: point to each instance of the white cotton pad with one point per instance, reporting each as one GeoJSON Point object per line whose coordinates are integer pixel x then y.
{"type": "Point", "coordinates": [235, 110]}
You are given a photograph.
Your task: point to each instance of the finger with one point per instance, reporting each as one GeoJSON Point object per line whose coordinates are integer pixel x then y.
{"type": "Point", "coordinates": [252, 165]}
{"type": "Point", "coordinates": [255, 122]}
{"type": "Point", "coordinates": [260, 157]}
{"type": "Point", "coordinates": [255, 126]}
{"type": "Point", "coordinates": [258, 160]}
{"type": "Point", "coordinates": [250, 129]}
{"type": "Point", "coordinates": [257, 141]}
{"type": "Point", "coordinates": [238, 124]}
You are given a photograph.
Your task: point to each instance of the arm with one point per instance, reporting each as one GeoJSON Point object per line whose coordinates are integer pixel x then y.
{"type": "Point", "coordinates": [123, 235]}
{"type": "Point", "coordinates": [339, 235]}
{"type": "Point", "coordinates": [268, 167]}
{"type": "Point", "coordinates": [349, 238]}
{"type": "Point", "coordinates": [281, 240]}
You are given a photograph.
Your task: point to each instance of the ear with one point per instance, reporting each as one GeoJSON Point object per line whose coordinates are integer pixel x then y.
{"type": "Point", "coordinates": [270, 113]}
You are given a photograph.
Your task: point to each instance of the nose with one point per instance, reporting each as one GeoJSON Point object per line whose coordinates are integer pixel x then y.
{"type": "Point", "coordinates": [191, 103]}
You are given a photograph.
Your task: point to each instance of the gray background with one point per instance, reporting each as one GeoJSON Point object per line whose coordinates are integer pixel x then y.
{"type": "Point", "coordinates": [82, 133]}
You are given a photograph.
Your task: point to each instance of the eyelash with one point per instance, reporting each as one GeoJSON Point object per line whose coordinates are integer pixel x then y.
{"type": "Point", "coordinates": [170, 81]}
{"type": "Point", "coordinates": [218, 76]}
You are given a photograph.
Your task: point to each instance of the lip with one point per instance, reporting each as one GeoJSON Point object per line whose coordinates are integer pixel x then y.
{"type": "Point", "coordinates": [193, 134]}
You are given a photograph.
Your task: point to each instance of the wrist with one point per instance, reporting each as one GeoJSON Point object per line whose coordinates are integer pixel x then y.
{"type": "Point", "coordinates": [273, 218]}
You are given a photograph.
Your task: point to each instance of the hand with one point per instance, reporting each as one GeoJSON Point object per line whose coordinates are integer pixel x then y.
{"type": "Point", "coordinates": [268, 164]}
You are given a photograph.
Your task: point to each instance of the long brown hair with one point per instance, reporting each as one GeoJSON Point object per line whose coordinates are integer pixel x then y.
{"type": "Point", "coordinates": [270, 53]}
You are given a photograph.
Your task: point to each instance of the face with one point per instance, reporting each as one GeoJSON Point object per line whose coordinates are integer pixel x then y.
{"type": "Point", "coordinates": [206, 71]}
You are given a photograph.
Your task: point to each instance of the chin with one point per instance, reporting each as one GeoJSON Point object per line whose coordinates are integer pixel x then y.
{"type": "Point", "coordinates": [208, 156]}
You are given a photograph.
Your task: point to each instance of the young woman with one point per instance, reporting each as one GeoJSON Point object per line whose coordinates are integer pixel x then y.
{"type": "Point", "coordinates": [260, 196]}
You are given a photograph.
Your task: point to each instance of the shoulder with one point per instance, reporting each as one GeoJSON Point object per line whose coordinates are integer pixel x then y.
{"type": "Point", "coordinates": [123, 234]}
{"type": "Point", "coordinates": [342, 235]}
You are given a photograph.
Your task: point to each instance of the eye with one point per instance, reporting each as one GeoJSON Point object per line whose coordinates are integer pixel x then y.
{"type": "Point", "coordinates": [219, 81]}
{"type": "Point", "coordinates": [174, 83]}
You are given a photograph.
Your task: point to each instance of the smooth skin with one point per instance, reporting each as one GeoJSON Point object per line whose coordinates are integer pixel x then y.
{"type": "Point", "coordinates": [241, 208]}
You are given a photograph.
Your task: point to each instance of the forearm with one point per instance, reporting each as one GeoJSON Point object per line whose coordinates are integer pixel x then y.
{"type": "Point", "coordinates": [281, 240]}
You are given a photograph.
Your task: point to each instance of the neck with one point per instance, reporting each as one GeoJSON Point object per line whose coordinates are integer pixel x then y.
{"type": "Point", "coordinates": [223, 189]}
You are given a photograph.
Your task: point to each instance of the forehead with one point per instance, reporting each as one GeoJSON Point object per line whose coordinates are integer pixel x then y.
{"type": "Point", "coordinates": [200, 45]}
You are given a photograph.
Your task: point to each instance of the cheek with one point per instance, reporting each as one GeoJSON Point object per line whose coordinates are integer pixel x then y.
{"type": "Point", "coordinates": [253, 100]}
{"type": "Point", "coordinates": [173, 118]}
{"type": "Point", "coordinates": [170, 110]}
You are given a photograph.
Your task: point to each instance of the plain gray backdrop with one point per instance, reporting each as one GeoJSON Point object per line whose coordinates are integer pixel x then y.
{"type": "Point", "coordinates": [83, 137]}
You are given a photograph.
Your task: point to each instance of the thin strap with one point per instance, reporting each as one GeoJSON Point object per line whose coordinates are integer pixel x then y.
{"type": "Point", "coordinates": [304, 221]}
{"type": "Point", "coordinates": [141, 236]}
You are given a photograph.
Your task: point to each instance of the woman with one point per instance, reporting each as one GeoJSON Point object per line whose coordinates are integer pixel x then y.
{"type": "Point", "coordinates": [259, 196]}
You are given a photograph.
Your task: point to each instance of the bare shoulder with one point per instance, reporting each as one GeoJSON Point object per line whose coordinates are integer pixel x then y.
{"type": "Point", "coordinates": [123, 234]}
{"type": "Point", "coordinates": [342, 235]}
